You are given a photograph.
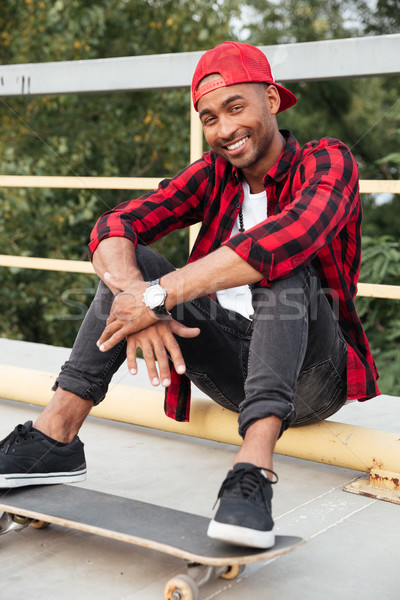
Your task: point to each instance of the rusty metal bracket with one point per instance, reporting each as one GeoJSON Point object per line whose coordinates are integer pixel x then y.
{"type": "Point", "coordinates": [381, 484]}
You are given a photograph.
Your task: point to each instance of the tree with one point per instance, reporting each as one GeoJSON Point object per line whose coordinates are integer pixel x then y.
{"type": "Point", "coordinates": [364, 113]}
{"type": "Point", "coordinates": [383, 19]}
{"type": "Point", "coordinates": [380, 317]}
{"type": "Point", "coordinates": [126, 134]}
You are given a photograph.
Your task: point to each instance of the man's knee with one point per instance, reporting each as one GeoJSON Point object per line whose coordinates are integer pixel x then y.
{"type": "Point", "coordinates": [152, 265]}
{"type": "Point", "coordinates": [289, 299]}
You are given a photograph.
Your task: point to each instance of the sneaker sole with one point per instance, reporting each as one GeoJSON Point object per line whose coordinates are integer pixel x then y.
{"type": "Point", "coordinates": [14, 480]}
{"type": "Point", "coordinates": [241, 536]}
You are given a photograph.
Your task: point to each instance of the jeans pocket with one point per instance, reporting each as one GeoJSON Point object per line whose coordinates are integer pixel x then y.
{"type": "Point", "coordinates": [206, 385]}
{"type": "Point", "coordinates": [320, 392]}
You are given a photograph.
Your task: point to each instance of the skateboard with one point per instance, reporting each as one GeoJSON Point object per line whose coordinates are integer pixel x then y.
{"type": "Point", "coordinates": [170, 531]}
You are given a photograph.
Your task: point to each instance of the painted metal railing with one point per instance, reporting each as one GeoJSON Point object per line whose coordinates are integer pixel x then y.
{"type": "Point", "coordinates": [148, 183]}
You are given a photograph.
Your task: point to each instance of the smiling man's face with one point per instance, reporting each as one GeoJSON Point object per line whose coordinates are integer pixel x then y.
{"type": "Point", "coordinates": [239, 123]}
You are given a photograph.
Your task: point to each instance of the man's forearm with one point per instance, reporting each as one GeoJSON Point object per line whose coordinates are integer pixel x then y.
{"type": "Point", "coordinates": [222, 269]}
{"type": "Point", "coordinates": [219, 270]}
{"type": "Point", "coordinates": [116, 255]}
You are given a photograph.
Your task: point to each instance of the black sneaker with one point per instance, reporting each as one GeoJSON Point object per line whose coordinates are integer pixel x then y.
{"type": "Point", "coordinates": [29, 457]}
{"type": "Point", "coordinates": [244, 514]}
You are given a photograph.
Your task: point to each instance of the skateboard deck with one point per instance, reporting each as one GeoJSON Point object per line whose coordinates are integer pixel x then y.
{"type": "Point", "coordinates": [170, 531]}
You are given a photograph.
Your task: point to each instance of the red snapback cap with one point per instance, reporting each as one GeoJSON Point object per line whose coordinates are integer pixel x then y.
{"type": "Point", "coordinates": [236, 63]}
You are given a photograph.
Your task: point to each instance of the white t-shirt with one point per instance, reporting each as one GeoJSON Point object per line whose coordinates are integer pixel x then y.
{"type": "Point", "coordinates": [254, 210]}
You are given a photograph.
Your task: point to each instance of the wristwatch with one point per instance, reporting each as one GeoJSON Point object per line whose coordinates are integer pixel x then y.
{"type": "Point", "coordinates": [154, 297]}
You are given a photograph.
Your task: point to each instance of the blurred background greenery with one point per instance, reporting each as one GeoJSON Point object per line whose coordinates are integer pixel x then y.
{"type": "Point", "coordinates": [147, 134]}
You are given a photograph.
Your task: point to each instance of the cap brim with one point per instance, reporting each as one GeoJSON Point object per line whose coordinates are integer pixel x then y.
{"type": "Point", "coordinates": [287, 97]}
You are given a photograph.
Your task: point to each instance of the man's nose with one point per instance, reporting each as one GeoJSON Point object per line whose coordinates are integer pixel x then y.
{"type": "Point", "coordinates": [227, 128]}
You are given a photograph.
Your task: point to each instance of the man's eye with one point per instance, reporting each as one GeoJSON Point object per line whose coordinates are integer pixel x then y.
{"type": "Point", "coordinates": [236, 108]}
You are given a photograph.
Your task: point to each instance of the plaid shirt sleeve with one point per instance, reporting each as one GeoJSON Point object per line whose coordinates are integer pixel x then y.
{"type": "Point", "coordinates": [177, 203]}
{"type": "Point", "coordinates": [320, 197]}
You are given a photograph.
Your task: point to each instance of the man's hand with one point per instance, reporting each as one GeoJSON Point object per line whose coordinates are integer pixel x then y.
{"type": "Point", "coordinates": [128, 314]}
{"type": "Point", "coordinates": [131, 319]}
{"type": "Point", "coordinates": [157, 342]}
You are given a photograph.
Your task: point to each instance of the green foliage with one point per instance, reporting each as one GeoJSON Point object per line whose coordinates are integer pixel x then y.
{"type": "Point", "coordinates": [364, 113]}
{"type": "Point", "coordinates": [381, 219]}
{"type": "Point", "coordinates": [44, 307]}
{"type": "Point", "coordinates": [290, 21]}
{"type": "Point", "coordinates": [385, 19]}
{"type": "Point", "coordinates": [118, 134]}
{"type": "Point", "coordinates": [381, 317]}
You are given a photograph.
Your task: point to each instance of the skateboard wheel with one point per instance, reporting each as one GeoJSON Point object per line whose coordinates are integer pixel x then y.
{"type": "Point", "coordinates": [20, 520]}
{"type": "Point", "coordinates": [40, 524]}
{"type": "Point", "coordinates": [233, 571]}
{"type": "Point", "coordinates": [181, 587]}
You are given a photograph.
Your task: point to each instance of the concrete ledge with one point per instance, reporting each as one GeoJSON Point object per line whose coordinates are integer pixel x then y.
{"type": "Point", "coordinates": [328, 442]}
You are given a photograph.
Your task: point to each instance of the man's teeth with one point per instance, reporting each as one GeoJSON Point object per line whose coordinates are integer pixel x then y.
{"type": "Point", "coordinates": [238, 144]}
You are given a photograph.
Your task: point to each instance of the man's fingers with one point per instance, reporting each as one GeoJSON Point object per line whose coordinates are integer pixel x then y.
{"type": "Point", "coordinates": [182, 330]}
{"type": "Point", "coordinates": [153, 347]}
{"type": "Point", "coordinates": [112, 341]}
{"type": "Point", "coordinates": [156, 342]}
{"type": "Point", "coordinates": [148, 355]}
{"type": "Point", "coordinates": [108, 331]}
{"type": "Point", "coordinates": [112, 335]}
{"type": "Point", "coordinates": [163, 362]}
{"type": "Point", "coordinates": [175, 352]}
{"type": "Point", "coordinates": [111, 319]}
{"type": "Point", "coordinates": [131, 349]}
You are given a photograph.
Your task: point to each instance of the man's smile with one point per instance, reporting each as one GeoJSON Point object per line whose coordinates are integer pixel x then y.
{"type": "Point", "coordinates": [237, 144]}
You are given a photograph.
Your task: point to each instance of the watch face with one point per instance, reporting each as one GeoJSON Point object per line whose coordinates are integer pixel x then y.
{"type": "Point", "coordinates": [154, 296]}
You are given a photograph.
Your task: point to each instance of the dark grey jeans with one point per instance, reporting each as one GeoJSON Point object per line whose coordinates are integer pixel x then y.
{"type": "Point", "coordinates": [290, 361]}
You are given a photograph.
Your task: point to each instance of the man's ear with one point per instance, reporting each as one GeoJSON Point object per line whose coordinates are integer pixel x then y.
{"type": "Point", "coordinates": [273, 99]}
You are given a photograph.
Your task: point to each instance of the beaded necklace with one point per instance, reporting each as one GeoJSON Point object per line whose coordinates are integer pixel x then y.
{"type": "Point", "coordinates": [241, 230]}
{"type": "Point", "coordinates": [241, 222]}
{"type": "Point", "coordinates": [251, 286]}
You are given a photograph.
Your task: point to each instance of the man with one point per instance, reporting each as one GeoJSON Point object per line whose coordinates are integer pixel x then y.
{"type": "Point", "coordinates": [262, 318]}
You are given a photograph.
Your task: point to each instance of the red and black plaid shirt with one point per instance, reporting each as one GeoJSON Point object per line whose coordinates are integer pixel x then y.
{"type": "Point", "coordinates": [314, 216]}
